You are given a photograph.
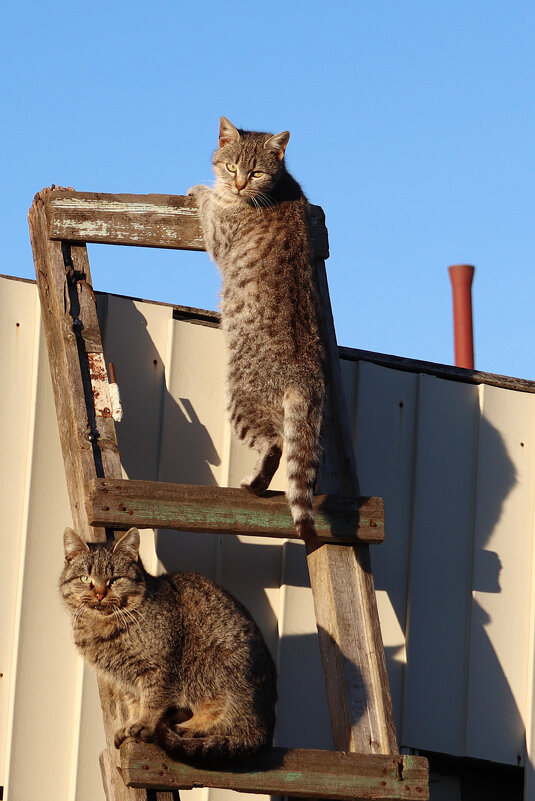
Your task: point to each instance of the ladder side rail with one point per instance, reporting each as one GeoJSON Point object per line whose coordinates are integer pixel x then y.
{"type": "Point", "coordinates": [88, 443]}
{"type": "Point", "coordinates": [341, 578]}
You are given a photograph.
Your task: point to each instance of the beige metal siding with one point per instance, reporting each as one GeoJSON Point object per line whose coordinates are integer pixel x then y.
{"type": "Point", "coordinates": [502, 579]}
{"type": "Point", "coordinates": [441, 564]}
{"type": "Point", "coordinates": [453, 462]}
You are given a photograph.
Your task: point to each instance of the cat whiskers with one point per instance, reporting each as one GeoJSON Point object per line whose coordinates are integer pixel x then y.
{"type": "Point", "coordinates": [264, 199]}
{"type": "Point", "coordinates": [75, 619]}
{"type": "Point", "coordinates": [125, 617]}
{"type": "Point", "coordinates": [261, 200]}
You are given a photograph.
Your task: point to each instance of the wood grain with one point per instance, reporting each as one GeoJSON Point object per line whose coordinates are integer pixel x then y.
{"type": "Point", "coordinates": [350, 639]}
{"type": "Point", "coordinates": [225, 510]}
{"type": "Point", "coordinates": [165, 221]}
{"type": "Point", "coordinates": [88, 443]}
{"type": "Point", "coordinates": [162, 221]}
{"type": "Point", "coordinates": [290, 772]}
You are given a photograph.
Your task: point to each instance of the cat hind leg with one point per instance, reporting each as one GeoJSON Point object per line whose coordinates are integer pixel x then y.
{"type": "Point", "coordinates": [209, 735]}
{"type": "Point", "coordinates": [269, 456]}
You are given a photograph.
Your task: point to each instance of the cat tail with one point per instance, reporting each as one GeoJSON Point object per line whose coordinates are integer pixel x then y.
{"type": "Point", "coordinates": [212, 749]}
{"type": "Point", "coordinates": [302, 423]}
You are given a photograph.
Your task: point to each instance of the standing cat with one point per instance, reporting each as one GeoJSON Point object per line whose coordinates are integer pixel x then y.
{"type": "Point", "coordinates": [255, 226]}
{"type": "Point", "coordinates": [186, 658]}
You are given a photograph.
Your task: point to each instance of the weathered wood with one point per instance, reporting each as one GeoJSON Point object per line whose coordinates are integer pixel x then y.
{"type": "Point", "coordinates": [88, 443]}
{"type": "Point", "coordinates": [165, 221]}
{"type": "Point", "coordinates": [224, 510]}
{"type": "Point", "coordinates": [280, 771]}
{"type": "Point", "coordinates": [64, 305]}
{"type": "Point", "coordinates": [162, 221]}
{"type": "Point", "coordinates": [350, 639]}
{"type": "Point", "coordinates": [109, 772]}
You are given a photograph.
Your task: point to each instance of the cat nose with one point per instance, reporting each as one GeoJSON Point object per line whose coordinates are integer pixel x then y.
{"type": "Point", "coordinates": [100, 594]}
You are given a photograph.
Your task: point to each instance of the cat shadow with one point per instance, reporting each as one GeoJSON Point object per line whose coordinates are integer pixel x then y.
{"type": "Point", "coordinates": [445, 606]}
{"type": "Point", "coordinates": [161, 438]}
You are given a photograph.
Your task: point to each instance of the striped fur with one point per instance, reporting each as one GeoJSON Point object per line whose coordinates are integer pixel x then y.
{"type": "Point", "coordinates": [185, 659]}
{"type": "Point", "coordinates": [255, 226]}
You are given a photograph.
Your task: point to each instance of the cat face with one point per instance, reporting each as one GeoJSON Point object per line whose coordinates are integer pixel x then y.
{"type": "Point", "coordinates": [102, 580]}
{"type": "Point", "coordinates": [247, 165]}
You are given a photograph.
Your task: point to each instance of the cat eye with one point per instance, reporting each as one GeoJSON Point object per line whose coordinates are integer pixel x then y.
{"type": "Point", "coordinates": [257, 174]}
{"type": "Point", "coordinates": [232, 168]}
{"type": "Point", "coordinates": [85, 579]}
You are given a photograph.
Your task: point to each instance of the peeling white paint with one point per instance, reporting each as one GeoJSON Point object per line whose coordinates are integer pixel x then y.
{"type": "Point", "coordinates": [120, 207]}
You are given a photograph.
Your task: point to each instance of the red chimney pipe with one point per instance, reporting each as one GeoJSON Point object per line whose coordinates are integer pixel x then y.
{"type": "Point", "coordinates": [461, 276]}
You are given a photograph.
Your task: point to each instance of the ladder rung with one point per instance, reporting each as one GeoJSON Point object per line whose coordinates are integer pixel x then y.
{"type": "Point", "coordinates": [285, 771]}
{"type": "Point", "coordinates": [121, 503]}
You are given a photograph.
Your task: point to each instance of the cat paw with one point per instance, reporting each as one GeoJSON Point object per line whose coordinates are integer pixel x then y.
{"type": "Point", "coordinates": [195, 191]}
{"type": "Point", "coordinates": [137, 730]}
{"type": "Point", "coordinates": [257, 485]}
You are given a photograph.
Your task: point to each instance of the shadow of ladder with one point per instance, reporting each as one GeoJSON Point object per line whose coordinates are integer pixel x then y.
{"type": "Point", "coordinates": [367, 763]}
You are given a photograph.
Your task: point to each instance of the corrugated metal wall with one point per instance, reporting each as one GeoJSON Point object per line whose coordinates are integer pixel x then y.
{"type": "Point", "coordinates": [454, 463]}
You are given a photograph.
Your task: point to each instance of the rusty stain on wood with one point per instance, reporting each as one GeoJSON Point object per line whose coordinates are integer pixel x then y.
{"type": "Point", "coordinates": [99, 384]}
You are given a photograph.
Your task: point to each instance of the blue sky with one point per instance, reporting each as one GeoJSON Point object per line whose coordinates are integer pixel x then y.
{"type": "Point", "coordinates": [412, 124]}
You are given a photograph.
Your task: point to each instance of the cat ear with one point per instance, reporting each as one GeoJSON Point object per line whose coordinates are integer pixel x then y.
{"type": "Point", "coordinates": [73, 544]}
{"type": "Point", "coordinates": [278, 143]}
{"type": "Point", "coordinates": [129, 542]}
{"type": "Point", "coordinates": [227, 132]}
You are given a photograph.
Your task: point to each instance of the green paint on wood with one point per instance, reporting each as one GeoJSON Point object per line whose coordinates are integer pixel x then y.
{"type": "Point", "coordinates": [146, 504]}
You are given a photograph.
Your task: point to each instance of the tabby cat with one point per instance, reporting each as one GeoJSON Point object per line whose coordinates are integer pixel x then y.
{"type": "Point", "coordinates": [184, 656]}
{"type": "Point", "coordinates": [255, 227]}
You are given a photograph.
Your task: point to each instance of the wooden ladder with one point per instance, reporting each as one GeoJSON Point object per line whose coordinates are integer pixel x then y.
{"type": "Point", "coordinates": [367, 763]}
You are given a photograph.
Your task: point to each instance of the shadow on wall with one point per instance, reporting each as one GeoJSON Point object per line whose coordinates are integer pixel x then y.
{"type": "Point", "coordinates": [440, 544]}
{"type": "Point", "coordinates": [502, 713]}
{"type": "Point", "coordinates": [248, 569]}
{"type": "Point", "coordinates": [162, 438]}
{"type": "Point", "coordinates": [151, 413]}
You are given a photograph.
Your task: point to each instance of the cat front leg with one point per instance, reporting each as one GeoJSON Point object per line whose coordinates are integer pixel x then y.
{"type": "Point", "coordinates": [197, 192]}
{"type": "Point", "coordinates": [142, 728]}
{"type": "Point", "coordinates": [141, 719]}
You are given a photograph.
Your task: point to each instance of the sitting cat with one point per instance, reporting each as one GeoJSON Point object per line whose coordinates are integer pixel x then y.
{"type": "Point", "coordinates": [255, 227]}
{"type": "Point", "coordinates": [185, 656]}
